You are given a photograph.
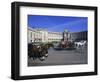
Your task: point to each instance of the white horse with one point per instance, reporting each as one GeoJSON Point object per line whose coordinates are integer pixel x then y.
{"type": "Point", "coordinates": [80, 44]}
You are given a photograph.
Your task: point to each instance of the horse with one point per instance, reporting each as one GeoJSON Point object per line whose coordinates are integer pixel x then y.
{"type": "Point", "coordinates": [45, 50]}
{"type": "Point", "coordinates": [37, 51]}
{"type": "Point", "coordinates": [80, 44]}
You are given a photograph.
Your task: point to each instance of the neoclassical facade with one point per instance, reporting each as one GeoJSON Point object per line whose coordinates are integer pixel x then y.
{"type": "Point", "coordinates": [42, 35]}
{"type": "Point", "coordinates": [54, 36]}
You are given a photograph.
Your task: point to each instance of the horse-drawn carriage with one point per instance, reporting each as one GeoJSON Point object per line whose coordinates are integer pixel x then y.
{"type": "Point", "coordinates": [64, 45]}
{"type": "Point", "coordinates": [68, 45]}
{"type": "Point", "coordinates": [37, 51]}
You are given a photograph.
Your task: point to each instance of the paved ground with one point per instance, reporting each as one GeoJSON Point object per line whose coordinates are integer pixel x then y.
{"type": "Point", "coordinates": [62, 57]}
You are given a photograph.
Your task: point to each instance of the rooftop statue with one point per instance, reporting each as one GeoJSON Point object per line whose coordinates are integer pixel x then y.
{"type": "Point", "coordinates": [66, 30]}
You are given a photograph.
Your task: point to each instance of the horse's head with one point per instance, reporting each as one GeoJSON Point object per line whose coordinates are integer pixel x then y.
{"type": "Point", "coordinates": [45, 50]}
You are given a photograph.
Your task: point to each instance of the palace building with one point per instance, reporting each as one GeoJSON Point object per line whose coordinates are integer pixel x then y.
{"type": "Point", "coordinates": [42, 35]}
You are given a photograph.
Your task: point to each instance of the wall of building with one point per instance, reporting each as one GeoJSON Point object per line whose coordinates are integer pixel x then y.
{"type": "Point", "coordinates": [54, 36]}
{"type": "Point", "coordinates": [77, 36]}
{"type": "Point", "coordinates": [41, 35]}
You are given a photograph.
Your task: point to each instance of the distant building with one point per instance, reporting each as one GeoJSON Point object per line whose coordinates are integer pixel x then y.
{"type": "Point", "coordinates": [77, 36]}
{"type": "Point", "coordinates": [54, 36]}
{"type": "Point", "coordinates": [42, 35]}
{"type": "Point", "coordinates": [66, 35]}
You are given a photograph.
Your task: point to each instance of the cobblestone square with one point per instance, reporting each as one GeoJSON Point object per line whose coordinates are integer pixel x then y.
{"type": "Point", "coordinates": [62, 57]}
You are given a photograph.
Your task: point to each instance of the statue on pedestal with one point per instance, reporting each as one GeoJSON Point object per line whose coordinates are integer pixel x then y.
{"type": "Point", "coordinates": [66, 35]}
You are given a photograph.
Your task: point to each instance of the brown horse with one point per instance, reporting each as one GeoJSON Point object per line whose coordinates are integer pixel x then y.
{"type": "Point", "coordinates": [37, 51]}
{"type": "Point", "coordinates": [45, 50]}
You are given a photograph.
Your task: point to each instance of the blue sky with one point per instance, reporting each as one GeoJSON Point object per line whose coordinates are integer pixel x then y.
{"type": "Point", "coordinates": [58, 23]}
